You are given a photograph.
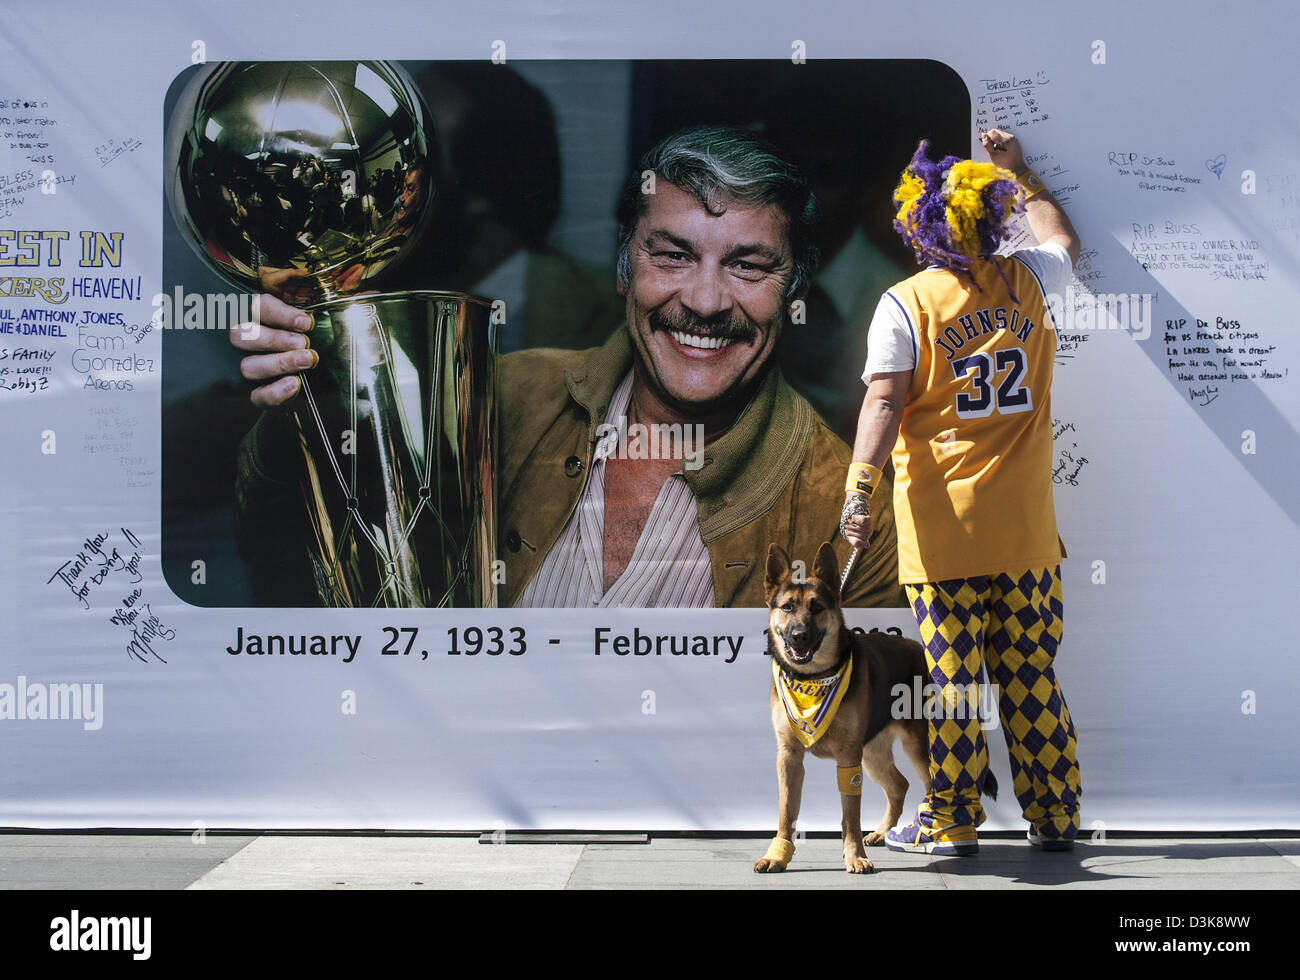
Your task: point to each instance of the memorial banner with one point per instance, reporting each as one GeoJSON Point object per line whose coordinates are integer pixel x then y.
{"type": "Point", "coordinates": [396, 419]}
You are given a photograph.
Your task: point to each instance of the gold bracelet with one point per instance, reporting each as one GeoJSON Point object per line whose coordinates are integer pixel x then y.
{"type": "Point", "coordinates": [863, 479]}
{"type": "Point", "coordinates": [1031, 182]}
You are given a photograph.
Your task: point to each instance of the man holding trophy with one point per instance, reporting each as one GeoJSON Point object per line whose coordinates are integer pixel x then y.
{"type": "Point", "coordinates": [715, 255]}
{"type": "Point", "coordinates": [278, 174]}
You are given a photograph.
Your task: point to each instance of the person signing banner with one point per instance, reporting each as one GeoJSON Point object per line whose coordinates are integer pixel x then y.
{"type": "Point", "coordinates": [959, 374]}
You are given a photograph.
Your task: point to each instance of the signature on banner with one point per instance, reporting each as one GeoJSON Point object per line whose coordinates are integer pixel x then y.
{"type": "Point", "coordinates": [102, 567]}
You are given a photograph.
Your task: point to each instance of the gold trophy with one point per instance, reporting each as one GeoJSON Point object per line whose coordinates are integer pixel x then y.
{"type": "Point", "coordinates": [309, 181]}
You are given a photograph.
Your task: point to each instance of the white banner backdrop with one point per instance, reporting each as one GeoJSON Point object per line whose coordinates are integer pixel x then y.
{"type": "Point", "coordinates": [1162, 133]}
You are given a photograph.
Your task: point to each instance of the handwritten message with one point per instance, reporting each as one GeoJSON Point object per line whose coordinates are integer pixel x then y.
{"type": "Point", "coordinates": [111, 433]}
{"type": "Point", "coordinates": [110, 150]}
{"type": "Point", "coordinates": [105, 571]}
{"type": "Point", "coordinates": [1160, 173]}
{"type": "Point", "coordinates": [1209, 355]}
{"type": "Point", "coordinates": [1070, 461]}
{"type": "Point", "coordinates": [1013, 102]}
{"type": "Point", "coordinates": [27, 126]}
{"type": "Point", "coordinates": [1058, 178]}
{"type": "Point", "coordinates": [1182, 246]}
{"type": "Point", "coordinates": [101, 345]}
{"type": "Point", "coordinates": [25, 369]}
{"type": "Point", "coordinates": [1283, 192]}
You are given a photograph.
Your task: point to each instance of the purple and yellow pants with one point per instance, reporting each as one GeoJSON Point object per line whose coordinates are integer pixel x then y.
{"type": "Point", "coordinates": [1010, 623]}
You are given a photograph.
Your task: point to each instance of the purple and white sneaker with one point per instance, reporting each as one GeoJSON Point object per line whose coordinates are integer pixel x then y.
{"type": "Point", "coordinates": [955, 841]}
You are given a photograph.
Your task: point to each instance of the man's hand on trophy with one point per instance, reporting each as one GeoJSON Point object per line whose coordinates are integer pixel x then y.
{"type": "Point", "coordinates": [277, 335]}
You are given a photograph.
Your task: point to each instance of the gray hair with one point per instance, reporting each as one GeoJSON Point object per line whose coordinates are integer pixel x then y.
{"type": "Point", "coordinates": [727, 163]}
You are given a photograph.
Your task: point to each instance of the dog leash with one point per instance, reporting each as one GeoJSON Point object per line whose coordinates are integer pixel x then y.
{"type": "Point", "coordinates": [848, 567]}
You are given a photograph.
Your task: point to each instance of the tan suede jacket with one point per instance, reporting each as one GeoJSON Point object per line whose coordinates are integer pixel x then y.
{"type": "Point", "coordinates": [777, 475]}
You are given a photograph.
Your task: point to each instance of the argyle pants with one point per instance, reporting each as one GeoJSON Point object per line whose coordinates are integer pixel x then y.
{"type": "Point", "coordinates": [1010, 622]}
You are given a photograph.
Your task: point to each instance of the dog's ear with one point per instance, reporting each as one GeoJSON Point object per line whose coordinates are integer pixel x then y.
{"type": "Point", "coordinates": [827, 568]}
{"type": "Point", "coordinates": [778, 571]}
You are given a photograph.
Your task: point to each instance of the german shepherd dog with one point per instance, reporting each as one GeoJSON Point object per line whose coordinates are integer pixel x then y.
{"type": "Point", "coordinates": [810, 640]}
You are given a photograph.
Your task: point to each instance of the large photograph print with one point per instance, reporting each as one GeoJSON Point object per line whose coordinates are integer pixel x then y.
{"type": "Point", "coordinates": [581, 334]}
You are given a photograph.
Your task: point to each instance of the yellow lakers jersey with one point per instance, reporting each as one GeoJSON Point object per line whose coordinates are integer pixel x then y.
{"type": "Point", "coordinates": [973, 460]}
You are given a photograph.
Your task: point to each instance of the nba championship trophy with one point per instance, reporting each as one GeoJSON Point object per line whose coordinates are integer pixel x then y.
{"type": "Point", "coordinates": [308, 181]}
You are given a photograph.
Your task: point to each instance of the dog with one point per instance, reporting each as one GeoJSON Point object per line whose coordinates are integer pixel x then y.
{"type": "Point", "coordinates": [812, 648]}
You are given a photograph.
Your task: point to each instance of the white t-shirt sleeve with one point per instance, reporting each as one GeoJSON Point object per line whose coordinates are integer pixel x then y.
{"type": "Point", "coordinates": [1050, 265]}
{"type": "Point", "coordinates": [891, 339]}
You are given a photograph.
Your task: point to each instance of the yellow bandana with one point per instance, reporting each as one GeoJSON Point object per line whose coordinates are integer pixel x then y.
{"type": "Point", "coordinates": [810, 705]}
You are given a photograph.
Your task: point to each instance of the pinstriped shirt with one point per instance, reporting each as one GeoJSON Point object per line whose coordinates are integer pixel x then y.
{"type": "Point", "coordinates": [669, 566]}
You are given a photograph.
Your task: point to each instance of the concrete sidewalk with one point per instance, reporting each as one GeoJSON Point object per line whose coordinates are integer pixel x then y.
{"type": "Point", "coordinates": [164, 861]}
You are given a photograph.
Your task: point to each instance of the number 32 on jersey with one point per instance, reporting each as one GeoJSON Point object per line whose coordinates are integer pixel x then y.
{"type": "Point", "coordinates": [1007, 367]}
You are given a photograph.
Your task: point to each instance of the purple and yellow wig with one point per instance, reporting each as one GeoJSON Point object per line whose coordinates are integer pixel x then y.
{"type": "Point", "coordinates": [954, 213]}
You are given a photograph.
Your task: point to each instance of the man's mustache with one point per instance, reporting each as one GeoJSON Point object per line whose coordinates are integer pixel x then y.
{"type": "Point", "coordinates": [724, 326]}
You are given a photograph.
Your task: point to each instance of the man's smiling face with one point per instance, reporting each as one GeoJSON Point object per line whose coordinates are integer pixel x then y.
{"type": "Point", "coordinates": [706, 297]}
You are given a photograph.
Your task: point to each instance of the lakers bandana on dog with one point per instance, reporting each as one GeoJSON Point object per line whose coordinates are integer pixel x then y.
{"type": "Point", "coordinates": [810, 704]}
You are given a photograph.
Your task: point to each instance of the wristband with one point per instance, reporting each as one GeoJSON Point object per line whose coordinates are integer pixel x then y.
{"type": "Point", "coordinates": [779, 850]}
{"type": "Point", "coordinates": [849, 779]}
{"type": "Point", "coordinates": [863, 478]}
{"type": "Point", "coordinates": [1031, 183]}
